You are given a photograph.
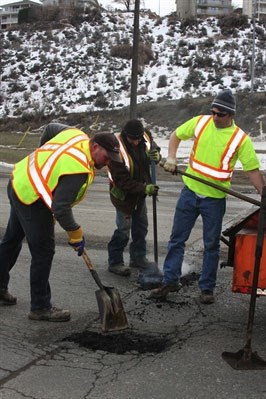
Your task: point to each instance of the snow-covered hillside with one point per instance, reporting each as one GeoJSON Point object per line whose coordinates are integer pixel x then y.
{"type": "Point", "coordinates": [88, 67]}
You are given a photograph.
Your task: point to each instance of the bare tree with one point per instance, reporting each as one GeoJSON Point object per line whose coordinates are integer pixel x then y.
{"type": "Point", "coordinates": [129, 4]}
{"type": "Point", "coordinates": [126, 3]}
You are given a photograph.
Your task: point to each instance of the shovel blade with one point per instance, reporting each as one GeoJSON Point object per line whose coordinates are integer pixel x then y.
{"type": "Point", "coordinates": [111, 309]}
{"type": "Point", "coordinates": [243, 360]}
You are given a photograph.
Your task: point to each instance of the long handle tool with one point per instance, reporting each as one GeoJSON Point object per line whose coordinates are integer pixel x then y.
{"type": "Point", "coordinates": [151, 277]}
{"type": "Point", "coordinates": [112, 313]}
{"type": "Point", "coordinates": [245, 359]}
{"type": "Point", "coordinates": [223, 189]}
{"type": "Point", "coordinates": [154, 209]}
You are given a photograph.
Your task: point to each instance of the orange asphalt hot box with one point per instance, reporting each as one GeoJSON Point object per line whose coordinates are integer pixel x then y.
{"type": "Point", "coordinates": [244, 262]}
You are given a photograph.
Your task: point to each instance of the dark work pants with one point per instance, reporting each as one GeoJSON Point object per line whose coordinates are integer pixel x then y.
{"type": "Point", "coordinates": [35, 222]}
{"type": "Point", "coordinates": [137, 224]}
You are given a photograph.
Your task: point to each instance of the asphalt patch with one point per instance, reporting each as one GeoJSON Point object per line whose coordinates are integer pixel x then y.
{"type": "Point", "coordinates": [119, 343]}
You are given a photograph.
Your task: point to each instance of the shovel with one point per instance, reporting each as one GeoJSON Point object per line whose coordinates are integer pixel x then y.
{"type": "Point", "coordinates": [112, 313]}
{"type": "Point", "coordinates": [245, 359]}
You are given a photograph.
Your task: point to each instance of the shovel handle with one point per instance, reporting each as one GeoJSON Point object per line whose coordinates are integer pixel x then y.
{"type": "Point", "coordinates": [90, 266]}
{"type": "Point", "coordinates": [225, 190]}
{"type": "Point", "coordinates": [154, 208]}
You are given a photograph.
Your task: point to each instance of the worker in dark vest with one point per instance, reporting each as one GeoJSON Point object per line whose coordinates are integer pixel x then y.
{"type": "Point", "coordinates": [130, 183]}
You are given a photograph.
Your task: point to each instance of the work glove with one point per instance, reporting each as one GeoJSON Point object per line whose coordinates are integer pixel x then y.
{"type": "Point", "coordinates": [170, 165]}
{"type": "Point", "coordinates": [154, 155]}
{"type": "Point", "coordinates": [151, 189]}
{"type": "Point", "coordinates": [76, 240]}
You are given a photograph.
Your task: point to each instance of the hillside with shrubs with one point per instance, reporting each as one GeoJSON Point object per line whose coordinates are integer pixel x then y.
{"type": "Point", "coordinates": [82, 64]}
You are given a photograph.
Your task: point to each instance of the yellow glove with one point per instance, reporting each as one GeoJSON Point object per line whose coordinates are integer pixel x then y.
{"type": "Point", "coordinates": [151, 189]}
{"type": "Point", "coordinates": [76, 240]}
{"type": "Point", "coordinates": [170, 165]}
{"type": "Point", "coordinates": [154, 155]}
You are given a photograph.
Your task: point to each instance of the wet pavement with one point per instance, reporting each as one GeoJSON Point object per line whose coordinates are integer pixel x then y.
{"type": "Point", "coordinates": [171, 349]}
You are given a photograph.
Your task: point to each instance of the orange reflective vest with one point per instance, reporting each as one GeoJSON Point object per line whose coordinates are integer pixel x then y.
{"type": "Point", "coordinates": [124, 154]}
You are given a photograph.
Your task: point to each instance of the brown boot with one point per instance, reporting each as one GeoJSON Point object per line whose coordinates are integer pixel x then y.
{"type": "Point", "coordinates": [120, 269]}
{"type": "Point", "coordinates": [163, 291]}
{"type": "Point", "coordinates": [54, 314]}
{"type": "Point", "coordinates": [6, 299]}
{"type": "Point", "coordinates": [206, 297]}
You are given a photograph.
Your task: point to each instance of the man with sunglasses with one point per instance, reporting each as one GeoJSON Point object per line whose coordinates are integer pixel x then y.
{"type": "Point", "coordinates": [218, 145]}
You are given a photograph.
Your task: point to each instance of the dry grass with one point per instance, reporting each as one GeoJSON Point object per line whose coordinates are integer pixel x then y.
{"type": "Point", "coordinates": [15, 146]}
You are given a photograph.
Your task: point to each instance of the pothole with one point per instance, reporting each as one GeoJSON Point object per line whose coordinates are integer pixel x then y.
{"type": "Point", "coordinates": [119, 343]}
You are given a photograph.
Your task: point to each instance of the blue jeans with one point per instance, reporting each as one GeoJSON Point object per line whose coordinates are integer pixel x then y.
{"type": "Point", "coordinates": [188, 208]}
{"type": "Point", "coordinates": [137, 223]}
{"type": "Point", "coordinates": [35, 222]}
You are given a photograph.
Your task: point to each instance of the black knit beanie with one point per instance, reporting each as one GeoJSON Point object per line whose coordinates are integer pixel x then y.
{"type": "Point", "coordinates": [225, 101]}
{"type": "Point", "coordinates": [134, 129]}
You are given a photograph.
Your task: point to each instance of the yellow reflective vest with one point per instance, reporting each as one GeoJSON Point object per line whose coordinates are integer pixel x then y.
{"type": "Point", "coordinates": [223, 169]}
{"type": "Point", "coordinates": [37, 175]}
{"type": "Point", "coordinates": [215, 153]}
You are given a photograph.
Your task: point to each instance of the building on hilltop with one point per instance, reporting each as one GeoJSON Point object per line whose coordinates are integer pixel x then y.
{"type": "Point", "coordinates": [203, 8]}
{"type": "Point", "coordinates": [67, 3]}
{"type": "Point", "coordinates": [256, 7]}
{"type": "Point", "coordinates": [9, 10]}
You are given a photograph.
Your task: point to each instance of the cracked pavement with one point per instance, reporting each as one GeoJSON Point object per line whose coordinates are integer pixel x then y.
{"type": "Point", "coordinates": [37, 362]}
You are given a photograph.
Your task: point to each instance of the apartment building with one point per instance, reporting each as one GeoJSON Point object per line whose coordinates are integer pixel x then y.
{"type": "Point", "coordinates": [203, 8]}
{"type": "Point", "coordinates": [9, 10]}
{"type": "Point", "coordinates": [66, 3]}
{"type": "Point", "coordinates": [256, 6]}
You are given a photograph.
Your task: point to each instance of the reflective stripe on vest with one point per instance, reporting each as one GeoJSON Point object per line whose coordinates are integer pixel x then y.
{"type": "Point", "coordinates": [124, 154]}
{"type": "Point", "coordinates": [223, 172]}
{"type": "Point", "coordinates": [39, 177]}
{"type": "Point", "coordinates": [202, 123]}
{"type": "Point", "coordinates": [234, 143]}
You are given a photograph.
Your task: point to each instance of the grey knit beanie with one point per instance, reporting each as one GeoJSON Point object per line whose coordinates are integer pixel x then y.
{"type": "Point", "coordinates": [225, 101]}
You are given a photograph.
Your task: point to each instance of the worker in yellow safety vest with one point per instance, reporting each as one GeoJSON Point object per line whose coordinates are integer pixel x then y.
{"type": "Point", "coordinates": [218, 144]}
{"type": "Point", "coordinates": [43, 188]}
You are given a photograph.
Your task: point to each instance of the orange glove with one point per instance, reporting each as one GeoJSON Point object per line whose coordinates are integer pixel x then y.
{"type": "Point", "coordinates": [76, 240]}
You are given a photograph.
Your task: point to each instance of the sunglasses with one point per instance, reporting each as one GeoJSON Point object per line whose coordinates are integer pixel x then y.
{"type": "Point", "coordinates": [219, 114]}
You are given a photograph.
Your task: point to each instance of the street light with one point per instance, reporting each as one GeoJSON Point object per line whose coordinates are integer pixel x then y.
{"type": "Point", "coordinates": [134, 71]}
{"type": "Point", "coordinates": [254, 8]}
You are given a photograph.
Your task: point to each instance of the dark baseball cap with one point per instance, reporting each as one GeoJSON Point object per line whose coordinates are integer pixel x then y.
{"type": "Point", "coordinates": [110, 143]}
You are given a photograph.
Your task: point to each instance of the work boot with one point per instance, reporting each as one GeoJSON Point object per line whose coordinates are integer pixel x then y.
{"type": "Point", "coordinates": [120, 269]}
{"type": "Point", "coordinates": [162, 292]}
{"type": "Point", "coordinates": [6, 299]}
{"type": "Point", "coordinates": [206, 297]}
{"type": "Point", "coordinates": [53, 314]}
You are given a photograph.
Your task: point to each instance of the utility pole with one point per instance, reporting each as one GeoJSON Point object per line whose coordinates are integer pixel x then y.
{"type": "Point", "coordinates": [135, 62]}
{"type": "Point", "coordinates": [254, 8]}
